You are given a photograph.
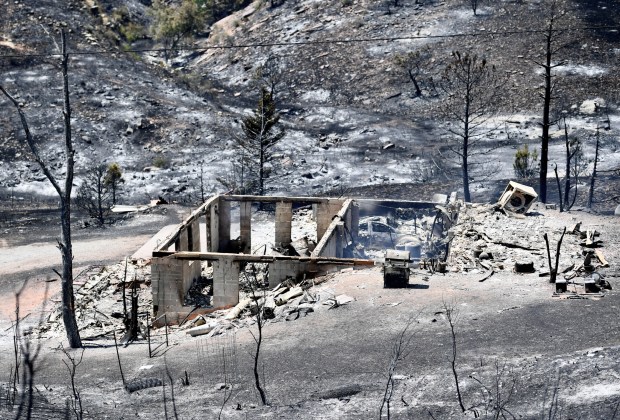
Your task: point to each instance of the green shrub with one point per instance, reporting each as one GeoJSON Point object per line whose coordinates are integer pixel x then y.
{"type": "Point", "coordinates": [526, 162]}
{"type": "Point", "coordinates": [132, 31]}
{"type": "Point", "coordinates": [160, 162]}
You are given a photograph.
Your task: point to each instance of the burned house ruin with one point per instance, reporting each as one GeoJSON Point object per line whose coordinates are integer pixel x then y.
{"type": "Point", "coordinates": [349, 233]}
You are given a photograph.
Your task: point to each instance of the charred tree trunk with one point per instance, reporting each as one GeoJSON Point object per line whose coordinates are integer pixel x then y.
{"type": "Point", "coordinates": [593, 177]}
{"type": "Point", "coordinates": [551, 37]}
{"type": "Point", "coordinates": [68, 303]}
{"type": "Point", "coordinates": [544, 148]}
{"type": "Point", "coordinates": [557, 179]}
{"type": "Point", "coordinates": [567, 181]}
{"type": "Point", "coordinates": [466, 193]}
{"type": "Point", "coordinates": [418, 91]}
{"type": "Point", "coordinates": [64, 244]}
{"type": "Point", "coordinates": [68, 300]}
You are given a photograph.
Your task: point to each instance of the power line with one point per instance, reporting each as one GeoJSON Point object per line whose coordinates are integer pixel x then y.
{"type": "Point", "coordinates": [317, 42]}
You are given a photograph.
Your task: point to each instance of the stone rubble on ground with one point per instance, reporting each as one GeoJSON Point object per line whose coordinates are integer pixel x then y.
{"type": "Point", "coordinates": [288, 301]}
{"type": "Point", "coordinates": [487, 239]}
{"type": "Point", "coordinates": [98, 300]}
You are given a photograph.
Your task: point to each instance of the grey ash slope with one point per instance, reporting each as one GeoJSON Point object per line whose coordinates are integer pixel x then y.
{"type": "Point", "coordinates": [341, 102]}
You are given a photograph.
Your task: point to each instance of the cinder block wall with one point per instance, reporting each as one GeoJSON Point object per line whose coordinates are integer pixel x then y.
{"type": "Point", "coordinates": [225, 282]}
{"type": "Point", "coordinates": [279, 270]}
{"type": "Point", "coordinates": [167, 285]}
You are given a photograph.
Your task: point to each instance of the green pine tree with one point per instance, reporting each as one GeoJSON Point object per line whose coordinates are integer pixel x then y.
{"type": "Point", "coordinates": [261, 133]}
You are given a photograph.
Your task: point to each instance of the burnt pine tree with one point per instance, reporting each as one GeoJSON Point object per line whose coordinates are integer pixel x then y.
{"type": "Point", "coordinates": [261, 133]}
{"type": "Point", "coordinates": [416, 64]}
{"type": "Point", "coordinates": [552, 44]}
{"type": "Point", "coordinates": [64, 244]}
{"type": "Point", "coordinates": [472, 89]}
{"type": "Point", "coordinates": [93, 196]}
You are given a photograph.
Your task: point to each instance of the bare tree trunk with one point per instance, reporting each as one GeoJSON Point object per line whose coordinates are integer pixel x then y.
{"type": "Point", "coordinates": [418, 91]}
{"type": "Point", "coordinates": [593, 177]}
{"type": "Point", "coordinates": [567, 180]}
{"type": "Point", "coordinates": [259, 341]}
{"type": "Point", "coordinates": [68, 303]}
{"type": "Point", "coordinates": [451, 316]}
{"type": "Point", "coordinates": [550, 36]}
{"type": "Point", "coordinates": [466, 193]}
{"type": "Point", "coordinates": [544, 148]}
{"type": "Point", "coordinates": [553, 271]}
{"type": "Point", "coordinates": [260, 322]}
{"type": "Point", "coordinates": [557, 179]}
{"type": "Point", "coordinates": [261, 172]}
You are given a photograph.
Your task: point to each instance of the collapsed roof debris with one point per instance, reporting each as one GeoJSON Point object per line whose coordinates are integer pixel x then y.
{"type": "Point", "coordinates": [98, 300]}
{"type": "Point", "coordinates": [487, 241]}
{"type": "Point", "coordinates": [288, 301]}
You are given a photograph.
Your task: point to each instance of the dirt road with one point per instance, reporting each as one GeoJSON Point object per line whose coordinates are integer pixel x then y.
{"type": "Point", "coordinates": [21, 260]}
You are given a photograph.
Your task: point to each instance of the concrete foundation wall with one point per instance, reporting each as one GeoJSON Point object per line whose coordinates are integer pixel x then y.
{"type": "Point", "coordinates": [223, 214]}
{"type": "Point", "coordinates": [167, 285]}
{"type": "Point", "coordinates": [170, 281]}
{"type": "Point", "coordinates": [324, 215]}
{"type": "Point", "coordinates": [194, 236]}
{"type": "Point", "coordinates": [339, 232]}
{"type": "Point", "coordinates": [225, 282]}
{"type": "Point", "coordinates": [280, 270]}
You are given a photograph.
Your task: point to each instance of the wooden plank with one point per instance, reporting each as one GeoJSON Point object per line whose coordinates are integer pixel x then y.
{"type": "Point", "coordinates": [211, 256]}
{"type": "Point", "coordinates": [601, 258]}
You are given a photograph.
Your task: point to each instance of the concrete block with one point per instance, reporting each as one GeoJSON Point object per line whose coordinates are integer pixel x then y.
{"type": "Point", "coordinates": [245, 226]}
{"type": "Point", "coordinates": [284, 220]}
{"type": "Point", "coordinates": [225, 282]}
{"type": "Point", "coordinates": [224, 225]}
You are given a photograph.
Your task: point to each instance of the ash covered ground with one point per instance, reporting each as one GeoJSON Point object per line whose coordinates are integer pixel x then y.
{"type": "Point", "coordinates": [541, 351]}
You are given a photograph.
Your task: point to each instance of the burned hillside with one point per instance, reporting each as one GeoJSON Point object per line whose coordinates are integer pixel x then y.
{"type": "Point", "coordinates": [352, 115]}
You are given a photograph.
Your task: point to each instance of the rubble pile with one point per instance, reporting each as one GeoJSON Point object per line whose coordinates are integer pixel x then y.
{"type": "Point", "coordinates": [99, 300]}
{"type": "Point", "coordinates": [487, 240]}
{"type": "Point", "coordinates": [100, 311]}
{"type": "Point", "coordinates": [288, 301]}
